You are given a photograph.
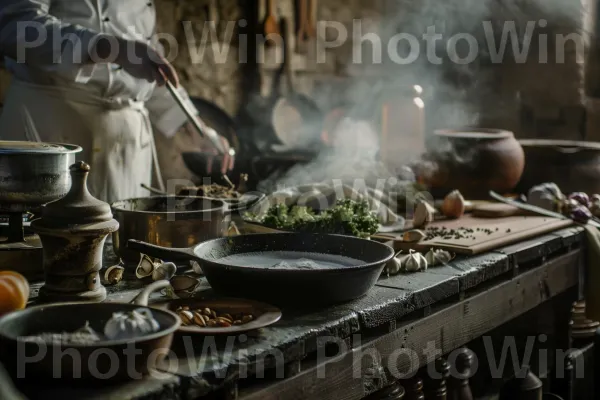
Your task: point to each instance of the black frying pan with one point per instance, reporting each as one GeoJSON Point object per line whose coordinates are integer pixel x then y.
{"type": "Point", "coordinates": [287, 286]}
{"type": "Point", "coordinates": [88, 361]}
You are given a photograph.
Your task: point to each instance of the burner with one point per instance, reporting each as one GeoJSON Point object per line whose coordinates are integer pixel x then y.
{"type": "Point", "coordinates": [20, 248]}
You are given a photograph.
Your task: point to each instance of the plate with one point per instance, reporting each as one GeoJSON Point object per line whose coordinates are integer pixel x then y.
{"type": "Point", "coordinates": [264, 314]}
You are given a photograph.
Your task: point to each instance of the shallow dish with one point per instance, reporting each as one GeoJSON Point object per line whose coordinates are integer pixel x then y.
{"type": "Point", "coordinates": [264, 314]}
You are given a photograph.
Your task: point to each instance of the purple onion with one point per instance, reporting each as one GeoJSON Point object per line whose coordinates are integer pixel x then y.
{"type": "Point", "coordinates": [581, 214]}
{"type": "Point", "coordinates": [581, 198]}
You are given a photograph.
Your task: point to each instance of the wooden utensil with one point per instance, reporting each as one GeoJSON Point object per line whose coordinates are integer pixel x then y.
{"type": "Point", "coordinates": [497, 210]}
{"type": "Point", "coordinates": [270, 24]}
{"type": "Point", "coordinates": [311, 30]}
{"type": "Point", "coordinates": [302, 31]}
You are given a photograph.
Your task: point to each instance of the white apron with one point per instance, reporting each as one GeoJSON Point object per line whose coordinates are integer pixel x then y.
{"type": "Point", "coordinates": [116, 136]}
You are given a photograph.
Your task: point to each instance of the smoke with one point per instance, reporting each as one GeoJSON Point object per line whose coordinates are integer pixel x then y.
{"type": "Point", "coordinates": [455, 95]}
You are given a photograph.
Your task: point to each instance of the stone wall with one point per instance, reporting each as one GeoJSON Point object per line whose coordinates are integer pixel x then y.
{"type": "Point", "coordinates": [535, 100]}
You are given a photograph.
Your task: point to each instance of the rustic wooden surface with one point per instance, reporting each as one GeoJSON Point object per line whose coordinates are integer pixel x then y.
{"type": "Point", "coordinates": [449, 305]}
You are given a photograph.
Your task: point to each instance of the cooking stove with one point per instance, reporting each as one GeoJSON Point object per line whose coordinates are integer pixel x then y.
{"type": "Point", "coordinates": [20, 248]}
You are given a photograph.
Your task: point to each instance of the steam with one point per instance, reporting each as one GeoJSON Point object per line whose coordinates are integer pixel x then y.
{"type": "Point", "coordinates": [454, 95]}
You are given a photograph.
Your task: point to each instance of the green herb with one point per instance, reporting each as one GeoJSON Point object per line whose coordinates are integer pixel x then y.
{"type": "Point", "coordinates": [347, 217]}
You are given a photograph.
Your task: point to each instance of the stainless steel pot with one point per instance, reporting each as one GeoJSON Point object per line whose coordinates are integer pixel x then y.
{"type": "Point", "coordinates": [33, 173]}
{"type": "Point", "coordinates": [168, 221]}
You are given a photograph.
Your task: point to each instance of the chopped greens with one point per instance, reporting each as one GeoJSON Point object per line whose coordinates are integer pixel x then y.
{"type": "Point", "coordinates": [347, 217]}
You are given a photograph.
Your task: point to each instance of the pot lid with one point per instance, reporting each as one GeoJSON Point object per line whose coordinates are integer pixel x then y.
{"type": "Point", "coordinates": [78, 207]}
{"type": "Point", "coordinates": [21, 147]}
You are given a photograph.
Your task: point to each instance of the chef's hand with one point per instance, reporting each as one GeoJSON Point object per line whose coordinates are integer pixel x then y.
{"type": "Point", "coordinates": [139, 60]}
{"type": "Point", "coordinates": [207, 147]}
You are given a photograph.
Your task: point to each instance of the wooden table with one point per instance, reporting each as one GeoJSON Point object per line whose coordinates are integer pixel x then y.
{"type": "Point", "coordinates": [447, 306]}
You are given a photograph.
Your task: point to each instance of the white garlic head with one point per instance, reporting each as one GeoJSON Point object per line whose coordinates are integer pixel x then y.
{"type": "Point", "coordinates": [415, 262]}
{"type": "Point", "coordinates": [129, 325]}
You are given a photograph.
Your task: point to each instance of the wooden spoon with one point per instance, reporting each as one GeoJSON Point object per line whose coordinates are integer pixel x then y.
{"type": "Point", "coordinates": [270, 25]}
{"type": "Point", "coordinates": [311, 30]}
{"type": "Point", "coordinates": [302, 32]}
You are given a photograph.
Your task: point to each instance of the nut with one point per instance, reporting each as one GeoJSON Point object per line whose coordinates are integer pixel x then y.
{"type": "Point", "coordinates": [187, 317]}
{"type": "Point", "coordinates": [199, 319]}
{"type": "Point", "coordinates": [247, 318]}
{"type": "Point", "coordinates": [206, 311]}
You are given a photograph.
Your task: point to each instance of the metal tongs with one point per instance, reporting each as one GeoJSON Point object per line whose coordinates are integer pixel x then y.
{"type": "Point", "coordinates": [198, 124]}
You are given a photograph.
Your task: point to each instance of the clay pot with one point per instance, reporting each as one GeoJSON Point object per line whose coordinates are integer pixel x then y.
{"type": "Point", "coordinates": [472, 160]}
{"type": "Point", "coordinates": [573, 166]}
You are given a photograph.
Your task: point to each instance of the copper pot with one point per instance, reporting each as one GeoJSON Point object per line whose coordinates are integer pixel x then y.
{"type": "Point", "coordinates": [170, 221]}
{"type": "Point", "coordinates": [474, 161]}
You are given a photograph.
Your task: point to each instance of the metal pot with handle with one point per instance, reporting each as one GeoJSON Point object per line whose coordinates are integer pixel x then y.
{"type": "Point", "coordinates": [34, 173]}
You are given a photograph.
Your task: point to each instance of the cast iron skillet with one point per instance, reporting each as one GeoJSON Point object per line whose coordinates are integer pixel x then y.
{"type": "Point", "coordinates": [105, 357]}
{"type": "Point", "coordinates": [284, 287]}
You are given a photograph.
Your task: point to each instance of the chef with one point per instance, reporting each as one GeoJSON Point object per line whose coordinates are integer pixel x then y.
{"type": "Point", "coordinates": [90, 72]}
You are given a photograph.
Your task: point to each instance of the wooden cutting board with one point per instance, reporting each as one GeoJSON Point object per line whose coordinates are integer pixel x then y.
{"type": "Point", "coordinates": [487, 233]}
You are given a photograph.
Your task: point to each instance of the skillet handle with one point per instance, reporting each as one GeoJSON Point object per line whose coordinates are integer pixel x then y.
{"type": "Point", "coordinates": [163, 253]}
{"type": "Point", "coordinates": [142, 298]}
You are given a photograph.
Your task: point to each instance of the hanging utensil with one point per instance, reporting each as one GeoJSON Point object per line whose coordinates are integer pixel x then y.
{"type": "Point", "coordinates": [270, 25]}
{"type": "Point", "coordinates": [311, 23]}
{"type": "Point", "coordinates": [301, 31]}
{"type": "Point", "coordinates": [196, 122]}
{"type": "Point", "coordinates": [295, 108]}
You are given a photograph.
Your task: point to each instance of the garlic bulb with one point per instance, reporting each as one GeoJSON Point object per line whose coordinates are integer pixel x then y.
{"type": "Point", "coordinates": [438, 257]}
{"type": "Point", "coordinates": [393, 266]}
{"type": "Point", "coordinates": [396, 264]}
{"type": "Point", "coordinates": [453, 205]}
{"type": "Point", "coordinates": [415, 262]}
{"type": "Point", "coordinates": [131, 324]}
{"type": "Point", "coordinates": [424, 214]}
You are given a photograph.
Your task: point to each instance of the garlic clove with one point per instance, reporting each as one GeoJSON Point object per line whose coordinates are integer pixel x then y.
{"type": "Point", "coordinates": [196, 267]}
{"type": "Point", "coordinates": [145, 267]}
{"type": "Point", "coordinates": [423, 215]}
{"type": "Point", "coordinates": [114, 274]}
{"type": "Point", "coordinates": [413, 236]}
{"type": "Point", "coordinates": [164, 271]}
{"type": "Point", "coordinates": [453, 205]}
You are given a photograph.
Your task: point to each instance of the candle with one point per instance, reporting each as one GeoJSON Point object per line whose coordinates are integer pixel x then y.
{"type": "Point", "coordinates": [420, 136]}
{"type": "Point", "coordinates": [384, 132]}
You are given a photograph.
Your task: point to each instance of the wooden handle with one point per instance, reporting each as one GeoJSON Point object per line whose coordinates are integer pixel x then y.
{"type": "Point", "coordinates": [311, 23]}
{"type": "Point", "coordinates": [163, 253]}
{"type": "Point", "coordinates": [302, 22]}
{"type": "Point", "coordinates": [271, 8]}
{"type": "Point", "coordinates": [287, 55]}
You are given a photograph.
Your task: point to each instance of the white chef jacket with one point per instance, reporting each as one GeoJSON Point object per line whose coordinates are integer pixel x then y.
{"type": "Point", "coordinates": [87, 20]}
